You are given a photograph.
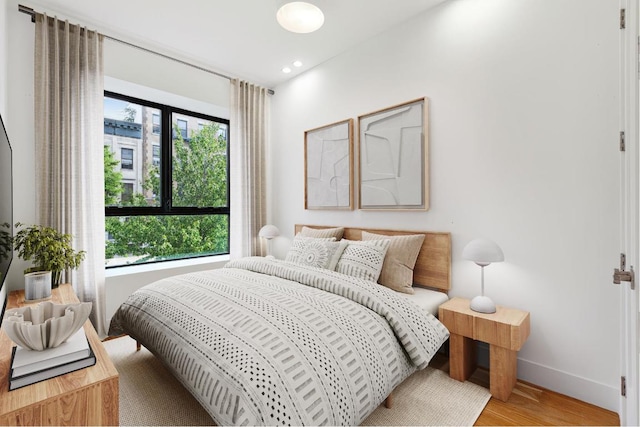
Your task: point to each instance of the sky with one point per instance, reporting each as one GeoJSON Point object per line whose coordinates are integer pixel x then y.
{"type": "Point", "coordinates": [114, 109]}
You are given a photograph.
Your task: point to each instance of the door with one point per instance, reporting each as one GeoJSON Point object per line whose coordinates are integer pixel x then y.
{"type": "Point", "coordinates": [630, 214]}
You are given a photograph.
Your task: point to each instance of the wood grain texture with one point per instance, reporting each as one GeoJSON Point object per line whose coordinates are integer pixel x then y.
{"type": "Point", "coordinates": [89, 396]}
{"type": "Point", "coordinates": [506, 330]}
{"type": "Point", "coordinates": [507, 327]}
{"type": "Point", "coordinates": [503, 372]}
{"type": "Point", "coordinates": [464, 364]}
{"type": "Point", "coordinates": [433, 266]}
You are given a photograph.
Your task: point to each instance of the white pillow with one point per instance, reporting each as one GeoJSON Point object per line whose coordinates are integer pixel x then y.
{"type": "Point", "coordinates": [316, 252]}
{"type": "Point", "coordinates": [363, 259]}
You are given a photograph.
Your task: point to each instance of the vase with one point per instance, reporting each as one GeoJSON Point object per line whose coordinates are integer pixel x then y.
{"type": "Point", "coordinates": [37, 285]}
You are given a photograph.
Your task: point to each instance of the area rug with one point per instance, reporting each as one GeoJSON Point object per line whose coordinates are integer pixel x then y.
{"type": "Point", "coordinates": [150, 395]}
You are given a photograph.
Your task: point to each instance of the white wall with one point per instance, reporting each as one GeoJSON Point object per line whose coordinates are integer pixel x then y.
{"type": "Point", "coordinates": [523, 124]}
{"type": "Point", "coordinates": [20, 32]}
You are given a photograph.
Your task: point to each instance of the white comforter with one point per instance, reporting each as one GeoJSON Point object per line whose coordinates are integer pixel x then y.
{"type": "Point", "coordinates": [263, 341]}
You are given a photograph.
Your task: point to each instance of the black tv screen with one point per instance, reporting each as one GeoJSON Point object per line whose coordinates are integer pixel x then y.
{"type": "Point", "coordinates": [6, 204]}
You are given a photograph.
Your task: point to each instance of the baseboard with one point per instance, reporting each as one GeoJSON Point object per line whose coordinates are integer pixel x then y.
{"type": "Point", "coordinates": [584, 389]}
{"type": "Point", "coordinates": [580, 388]}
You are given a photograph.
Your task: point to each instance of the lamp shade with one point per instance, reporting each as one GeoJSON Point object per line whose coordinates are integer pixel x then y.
{"type": "Point", "coordinates": [482, 252]}
{"type": "Point", "coordinates": [269, 232]}
{"type": "Point", "coordinates": [300, 16]}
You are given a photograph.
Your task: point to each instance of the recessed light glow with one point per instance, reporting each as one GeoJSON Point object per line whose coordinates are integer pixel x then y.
{"type": "Point", "coordinates": [300, 17]}
{"type": "Point", "coordinates": [286, 70]}
{"type": "Point", "coordinates": [297, 64]}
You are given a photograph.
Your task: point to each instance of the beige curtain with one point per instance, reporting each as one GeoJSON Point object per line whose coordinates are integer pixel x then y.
{"type": "Point", "coordinates": [69, 91]}
{"type": "Point", "coordinates": [249, 134]}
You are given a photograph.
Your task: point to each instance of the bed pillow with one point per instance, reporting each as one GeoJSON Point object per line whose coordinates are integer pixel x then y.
{"type": "Point", "coordinates": [363, 259]}
{"type": "Point", "coordinates": [397, 270]}
{"type": "Point", "coordinates": [336, 232]}
{"type": "Point", "coordinates": [316, 252]}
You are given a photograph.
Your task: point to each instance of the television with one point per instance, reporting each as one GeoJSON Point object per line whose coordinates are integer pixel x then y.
{"type": "Point", "coordinates": [6, 204]}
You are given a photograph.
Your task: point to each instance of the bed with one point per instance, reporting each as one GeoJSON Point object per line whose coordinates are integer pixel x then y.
{"type": "Point", "coordinates": [264, 341]}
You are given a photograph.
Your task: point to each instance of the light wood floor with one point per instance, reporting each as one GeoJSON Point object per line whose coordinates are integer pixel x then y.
{"type": "Point", "coordinates": [531, 405]}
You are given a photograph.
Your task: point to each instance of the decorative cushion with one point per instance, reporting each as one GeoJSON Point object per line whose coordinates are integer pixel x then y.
{"type": "Point", "coordinates": [397, 270]}
{"type": "Point", "coordinates": [363, 259]}
{"type": "Point", "coordinates": [336, 232]}
{"type": "Point", "coordinates": [316, 252]}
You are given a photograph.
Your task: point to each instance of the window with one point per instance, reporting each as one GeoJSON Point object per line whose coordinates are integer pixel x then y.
{"type": "Point", "coordinates": [182, 128]}
{"type": "Point", "coordinates": [155, 123]}
{"type": "Point", "coordinates": [126, 158]}
{"type": "Point", "coordinates": [156, 155]}
{"type": "Point", "coordinates": [127, 192]}
{"type": "Point", "coordinates": [177, 205]}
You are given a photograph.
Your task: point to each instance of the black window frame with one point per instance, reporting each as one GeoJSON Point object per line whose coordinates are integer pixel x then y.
{"type": "Point", "coordinates": [166, 164]}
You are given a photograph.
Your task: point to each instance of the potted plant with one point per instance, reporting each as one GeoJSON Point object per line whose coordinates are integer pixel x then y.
{"type": "Point", "coordinates": [48, 249]}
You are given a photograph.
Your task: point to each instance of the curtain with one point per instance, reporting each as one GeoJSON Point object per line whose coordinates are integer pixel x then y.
{"type": "Point", "coordinates": [69, 90]}
{"type": "Point", "coordinates": [249, 134]}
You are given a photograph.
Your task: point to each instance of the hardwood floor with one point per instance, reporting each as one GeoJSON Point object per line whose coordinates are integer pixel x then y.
{"type": "Point", "coordinates": [532, 405]}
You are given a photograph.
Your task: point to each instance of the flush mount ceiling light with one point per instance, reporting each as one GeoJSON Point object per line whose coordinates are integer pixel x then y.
{"type": "Point", "coordinates": [300, 17]}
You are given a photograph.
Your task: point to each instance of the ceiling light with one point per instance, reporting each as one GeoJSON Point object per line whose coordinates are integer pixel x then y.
{"type": "Point", "coordinates": [297, 64]}
{"type": "Point", "coordinates": [300, 17]}
{"type": "Point", "coordinates": [286, 70]}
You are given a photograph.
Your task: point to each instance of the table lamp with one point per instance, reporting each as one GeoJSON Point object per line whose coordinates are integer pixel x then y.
{"type": "Point", "coordinates": [483, 252]}
{"type": "Point", "coordinates": [269, 232]}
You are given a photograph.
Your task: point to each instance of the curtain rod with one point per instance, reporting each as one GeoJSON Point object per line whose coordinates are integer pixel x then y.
{"type": "Point", "coordinates": [32, 13]}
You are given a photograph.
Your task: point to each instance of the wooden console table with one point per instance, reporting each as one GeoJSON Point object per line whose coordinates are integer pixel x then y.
{"type": "Point", "coordinates": [89, 396]}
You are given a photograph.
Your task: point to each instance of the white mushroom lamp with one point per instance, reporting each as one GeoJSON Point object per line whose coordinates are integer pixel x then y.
{"type": "Point", "coordinates": [483, 252]}
{"type": "Point", "coordinates": [269, 232]}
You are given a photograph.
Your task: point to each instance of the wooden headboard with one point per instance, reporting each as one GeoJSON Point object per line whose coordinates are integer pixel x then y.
{"type": "Point", "coordinates": [433, 267]}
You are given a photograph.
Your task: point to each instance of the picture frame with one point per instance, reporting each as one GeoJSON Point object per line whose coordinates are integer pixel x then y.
{"type": "Point", "coordinates": [328, 166]}
{"type": "Point", "coordinates": [393, 157]}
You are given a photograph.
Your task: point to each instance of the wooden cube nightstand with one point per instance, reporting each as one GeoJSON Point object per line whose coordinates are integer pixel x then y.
{"type": "Point", "coordinates": [505, 331]}
{"type": "Point", "coordinates": [89, 396]}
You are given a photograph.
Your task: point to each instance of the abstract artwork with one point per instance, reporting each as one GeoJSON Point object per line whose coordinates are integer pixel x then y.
{"type": "Point", "coordinates": [393, 157]}
{"type": "Point", "coordinates": [328, 166]}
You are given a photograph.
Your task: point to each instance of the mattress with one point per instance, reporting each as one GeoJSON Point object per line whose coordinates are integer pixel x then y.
{"type": "Point", "coordinates": [427, 299]}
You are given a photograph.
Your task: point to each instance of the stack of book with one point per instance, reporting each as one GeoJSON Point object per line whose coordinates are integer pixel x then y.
{"type": "Point", "coordinates": [28, 366]}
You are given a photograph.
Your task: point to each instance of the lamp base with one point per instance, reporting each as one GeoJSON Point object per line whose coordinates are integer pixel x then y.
{"type": "Point", "coordinates": [483, 304]}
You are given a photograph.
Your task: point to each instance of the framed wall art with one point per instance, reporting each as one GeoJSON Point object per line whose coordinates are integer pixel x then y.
{"type": "Point", "coordinates": [393, 157]}
{"type": "Point", "coordinates": [328, 166]}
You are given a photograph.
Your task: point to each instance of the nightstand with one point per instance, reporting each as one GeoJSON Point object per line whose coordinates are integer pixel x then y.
{"type": "Point", "coordinates": [89, 396]}
{"type": "Point", "coordinates": [505, 331]}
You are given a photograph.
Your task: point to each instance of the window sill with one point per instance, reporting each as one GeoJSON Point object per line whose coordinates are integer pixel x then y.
{"type": "Point", "coordinates": [167, 265]}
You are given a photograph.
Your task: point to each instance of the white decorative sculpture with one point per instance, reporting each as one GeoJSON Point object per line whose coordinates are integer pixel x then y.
{"type": "Point", "coordinates": [45, 325]}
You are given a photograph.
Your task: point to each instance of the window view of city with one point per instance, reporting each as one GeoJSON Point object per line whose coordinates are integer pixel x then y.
{"type": "Point", "coordinates": [166, 192]}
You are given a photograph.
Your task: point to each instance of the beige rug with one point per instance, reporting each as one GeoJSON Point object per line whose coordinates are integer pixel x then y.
{"type": "Point", "coordinates": [150, 395]}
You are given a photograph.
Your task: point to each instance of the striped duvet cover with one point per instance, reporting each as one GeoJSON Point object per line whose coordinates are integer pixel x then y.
{"type": "Point", "coordinates": [265, 342]}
